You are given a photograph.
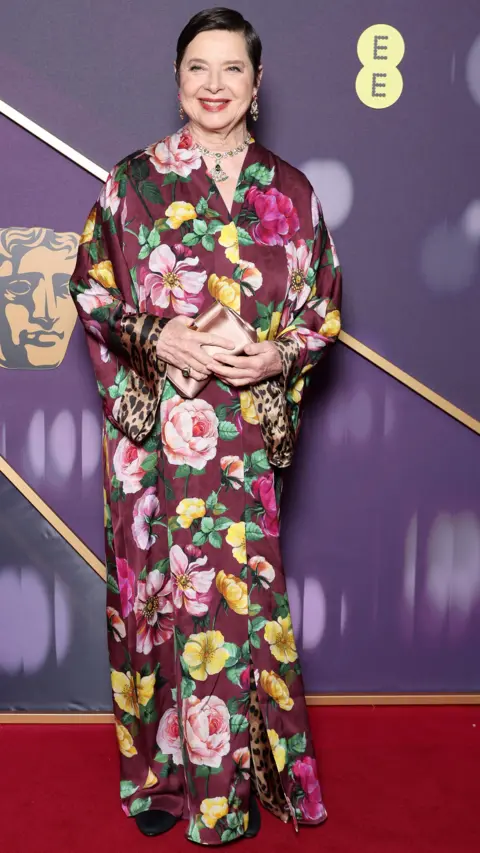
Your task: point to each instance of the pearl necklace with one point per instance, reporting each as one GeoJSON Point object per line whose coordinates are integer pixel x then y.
{"type": "Point", "coordinates": [216, 173]}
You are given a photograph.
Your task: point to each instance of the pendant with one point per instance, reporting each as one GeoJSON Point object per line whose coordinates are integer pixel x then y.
{"type": "Point", "coordinates": [217, 174]}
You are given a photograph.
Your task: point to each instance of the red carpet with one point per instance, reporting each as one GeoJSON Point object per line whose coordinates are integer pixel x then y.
{"type": "Point", "coordinates": [395, 780]}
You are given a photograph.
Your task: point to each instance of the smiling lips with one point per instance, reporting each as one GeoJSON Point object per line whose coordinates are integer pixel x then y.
{"type": "Point", "coordinates": [213, 106]}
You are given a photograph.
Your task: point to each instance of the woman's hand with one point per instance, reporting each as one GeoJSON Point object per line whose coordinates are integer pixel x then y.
{"type": "Point", "coordinates": [261, 361]}
{"type": "Point", "coordinates": [181, 346]}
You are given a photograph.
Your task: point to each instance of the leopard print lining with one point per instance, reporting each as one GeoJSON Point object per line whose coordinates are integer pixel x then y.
{"type": "Point", "coordinates": [272, 408]}
{"type": "Point", "coordinates": [264, 773]}
{"type": "Point", "coordinates": [136, 411]}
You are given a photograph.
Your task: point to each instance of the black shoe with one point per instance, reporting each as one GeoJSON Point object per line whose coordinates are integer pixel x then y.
{"type": "Point", "coordinates": [155, 822]}
{"type": "Point", "coordinates": [254, 819]}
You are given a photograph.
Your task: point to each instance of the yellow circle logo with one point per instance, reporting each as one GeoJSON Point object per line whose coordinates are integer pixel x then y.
{"type": "Point", "coordinates": [380, 49]}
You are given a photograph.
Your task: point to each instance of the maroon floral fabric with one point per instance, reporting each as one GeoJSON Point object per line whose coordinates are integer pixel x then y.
{"type": "Point", "coordinates": [196, 591]}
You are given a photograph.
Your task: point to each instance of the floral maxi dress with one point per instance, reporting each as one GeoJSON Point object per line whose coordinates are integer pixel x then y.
{"type": "Point", "coordinates": [206, 681]}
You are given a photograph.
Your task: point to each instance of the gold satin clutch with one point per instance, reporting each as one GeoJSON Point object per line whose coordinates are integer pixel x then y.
{"type": "Point", "coordinates": [219, 320]}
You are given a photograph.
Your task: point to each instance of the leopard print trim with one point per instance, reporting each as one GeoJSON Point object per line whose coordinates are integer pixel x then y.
{"type": "Point", "coordinates": [272, 407]}
{"type": "Point", "coordinates": [136, 411]}
{"type": "Point", "coordinates": [264, 772]}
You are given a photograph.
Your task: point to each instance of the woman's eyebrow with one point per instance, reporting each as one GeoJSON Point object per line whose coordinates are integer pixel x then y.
{"type": "Point", "coordinates": [227, 61]}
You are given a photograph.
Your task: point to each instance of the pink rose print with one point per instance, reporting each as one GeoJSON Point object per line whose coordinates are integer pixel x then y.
{"type": "Point", "coordinates": [109, 195]}
{"type": "Point", "coordinates": [278, 219]}
{"type": "Point", "coordinates": [175, 280]}
{"type": "Point", "coordinates": [153, 612]}
{"type": "Point", "coordinates": [190, 583]}
{"type": "Point", "coordinates": [176, 154]}
{"type": "Point", "coordinates": [95, 297]}
{"type": "Point", "coordinates": [207, 729]}
{"type": "Point", "coordinates": [168, 735]}
{"type": "Point", "coordinates": [145, 512]}
{"type": "Point", "coordinates": [93, 329]}
{"type": "Point", "coordinates": [189, 431]}
{"type": "Point", "coordinates": [127, 464]}
{"type": "Point", "coordinates": [245, 678]}
{"type": "Point", "coordinates": [241, 758]}
{"type": "Point", "coordinates": [299, 259]}
{"type": "Point", "coordinates": [263, 490]}
{"type": "Point", "coordinates": [116, 624]}
{"type": "Point", "coordinates": [305, 771]}
{"type": "Point", "coordinates": [126, 585]}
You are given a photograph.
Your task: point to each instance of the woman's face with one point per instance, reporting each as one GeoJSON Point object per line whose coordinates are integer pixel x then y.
{"type": "Point", "coordinates": [216, 79]}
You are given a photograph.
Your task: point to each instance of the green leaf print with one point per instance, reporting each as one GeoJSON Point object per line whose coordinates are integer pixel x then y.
{"type": "Point", "coordinates": [149, 479]}
{"type": "Point", "coordinates": [168, 391]}
{"type": "Point", "coordinates": [253, 532]}
{"type": "Point", "coordinates": [199, 538]}
{"type": "Point", "coordinates": [244, 238]}
{"type": "Point", "coordinates": [100, 314]}
{"type": "Point", "coordinates": [161, 758]}
{"type": "Point", "coordinates": [215, 539]}
{"type": "Point", "coordinates": [202, 207]}
{"type": "Point", "coordinates": [120, 384]}
{"type": "Point", "coordinates": [232, 705]}
{"type": "Point", "coordinates": [148, 713]}
{"type": "Point", "coordinates": [203, 771]}
{"type": "Point", "coordinates": [207, 524]}
{"type": "Point", "coordinates": [240, 193]}
{"type": "Point", "coordinates": [259, 173]}
{"type": "Point", "coordinates": [170, 178]}
{"type": "Point", "coordinates": [93, 252]}
{"type": "Point", "coordinates": [215, 226]}
{"type": "Point", "coordinates": [221, 412]}
{"type": "Point", "coordinates": [187, 687]}
{"type": "Point", "coordinates": [229, 835]}
{"type": "Point", "coordinates": [208, 242]}
{"type": "Point", "coordinates": [227, 431]}
{"type": "Point", "coordinates": [190, 239]}
{"type": "Point", "coordinates": [149, 462]}
{"type": "Point", "coordinates": [258, 623]}
{"type": "Point", "coordinates": [200, 227]}
{"type": "Point", "coordinates": [139, 169]}
{"type": "Point", "coordinates": [161, 224]}
{"type": "Point", "coordinates": [234, 673]}
{"type": "Point", "coordinates": [238, 723]}
{"type": "Point", "coordinates": [218, 509]}
{"type": "Point", "coordinates": [253, 609]}
{"type": "Point", "coordinates": [296, 746]}
{"type": "Point", "coordinates": [143, 574]}
{"type": "Point", "coordinates": [144, 252]}
{"type": "Point", "coordinates": [153, 239]}
{"type": "Point", "coordinates": [233, 654]}
{"type": "Point", "coordinates": [143, 233]}
{"type": "Point", "coordinates": [162, 566]}
{"type": "Point", "coordinates": [112, 431]}
{"type": "Point", "coordinates": [151, 192]}
{"type": "Point", "coordinates": [182, 471]}
{"type": "Point", "coordinates": [223, 523]}
{"type": "Point", "coordinates": [211, 501]}
{"type": "Point", "coordinates": [141, 805]}
{"type": "Point", "coordinates": [180, 640]}
{"type": "Point", "coordinates": [127, 788]}
{"type": "Point", "coordinates": [128, 719]}
{"type": "Point", "coordinates": [255, 641]}
{"type": "Point", "coordinates": [112, 585]}
{"type": "Point", "coordinates": [259, 461]}
{"type": "Point", "coordinates": [194, 831]}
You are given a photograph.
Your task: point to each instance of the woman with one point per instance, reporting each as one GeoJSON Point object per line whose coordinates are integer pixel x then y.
{"type": "Point", "coordinates": [206, 681]}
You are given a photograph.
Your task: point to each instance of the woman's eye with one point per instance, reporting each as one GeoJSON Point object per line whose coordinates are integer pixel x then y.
{"type": "Point", "coordinates": [20, 287]}
{"type": "Point", "coordinates": [234, 68]}
{"type": "Point", "coordinates": [195, 68]}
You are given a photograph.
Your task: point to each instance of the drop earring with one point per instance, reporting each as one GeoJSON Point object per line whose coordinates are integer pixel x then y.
{"type": "Point", "coordinates": [254, 109]}
{"type": "Point", "coordinates": [181, 111]}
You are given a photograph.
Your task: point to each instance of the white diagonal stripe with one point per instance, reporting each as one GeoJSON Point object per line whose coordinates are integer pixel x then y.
{"type": "Point", "coordinates": [53, 141]}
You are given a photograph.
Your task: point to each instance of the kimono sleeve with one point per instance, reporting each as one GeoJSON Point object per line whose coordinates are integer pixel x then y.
{"type": "Point", "coordinates": [121, 340]}
{"type": "Point", "coordinates": [309, 324]}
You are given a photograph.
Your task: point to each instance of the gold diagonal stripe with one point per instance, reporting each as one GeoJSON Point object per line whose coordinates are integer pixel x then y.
{"type": "Point", "coordinates": [52, 518]}
{"type": "Point", "coordinates": [372, 356]}
{"type": "Point", "coordinates": [411, 382]}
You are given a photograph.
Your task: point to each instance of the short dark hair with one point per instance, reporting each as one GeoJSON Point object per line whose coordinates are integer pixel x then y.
{"type": "Point", "coordinates": [220, 18]}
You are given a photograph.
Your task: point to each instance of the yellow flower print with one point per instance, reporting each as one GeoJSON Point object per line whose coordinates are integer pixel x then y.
{"type": "Point", "coordinates": [229, 240]}
{"type": "Point", "coordinates": [226, 290]}
{"type": "Point", "coordinates": [270, 333]}
{"type": "Point", "coordinates": [236, 537]}
{"type": "Point", "coordinates": [178, 212]}
{"type": "Point", "coordinates": [279, 636]}
{"type": "Point", "coordinates": [204, 654]}
{"type": "Point", "coordinates": [234, 591]}
{"type": "Point", "coordinates": [151, 779]}
{"type": "Point", "coordinates": [129, 694]}
{"type": "Point", "coordinates": [103, 273]}
{"type": "Point", "coordinates": [278, 749]}
{"type": "Point", "coordinates": [213, 809]}
{"type": "Point", "coordinates": [332, 325]}
{"type": "Point", "coordinates": [247, 407]}
{"type": "Point", "coordinates": [125, 741]}
{"type": "Point", "coordinates": [275, 687]}
{"type": "Point", "coordinates": [188, 509]}
{"type": "Point", "coordinates": [87, 235]}
{"type": "Point", "coordinates": [297, 390]}
{"type": "Point", "coordinates": [245, 821]}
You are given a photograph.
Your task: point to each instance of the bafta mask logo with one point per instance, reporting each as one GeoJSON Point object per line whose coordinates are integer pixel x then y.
{"type": "Point", "coordinates": [37, 314]}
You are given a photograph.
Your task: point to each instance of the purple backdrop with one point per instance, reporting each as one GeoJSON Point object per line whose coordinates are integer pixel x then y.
{"type": "Point", "coordinates": [389, 599]}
